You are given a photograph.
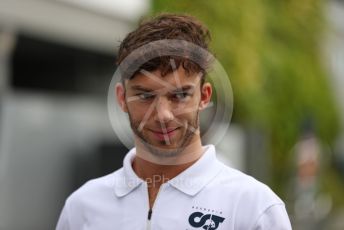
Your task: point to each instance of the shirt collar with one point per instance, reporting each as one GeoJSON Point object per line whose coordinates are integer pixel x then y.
{"type": "Point", "coordinates": [190, 181]}
{"type": "Point", "coordinates": [198, 175]}
{"type": "Point", "coordinates": [126, 179]}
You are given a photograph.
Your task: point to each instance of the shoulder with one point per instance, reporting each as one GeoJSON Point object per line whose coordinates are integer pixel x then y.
{"type": "Point", "coordinates": [250, 197]}
{"type": "Point", "coordinates": [87, 201]}
{"type": "Point", "coordinates": [245, 186]}
{"type": "Point", "coordinates": [93, 190]}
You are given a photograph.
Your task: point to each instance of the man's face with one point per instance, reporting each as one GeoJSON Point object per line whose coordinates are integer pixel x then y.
{"type": "Point", "coordinates": [164, 111]}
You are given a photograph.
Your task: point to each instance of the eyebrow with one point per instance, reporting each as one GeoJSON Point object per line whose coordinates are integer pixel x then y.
{"type": "Point", "coordinates": [140, 88]}
{"type": "Point", "coordinates": [183, 88]}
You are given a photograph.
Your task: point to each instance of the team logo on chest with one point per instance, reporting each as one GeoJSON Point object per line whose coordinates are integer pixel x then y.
{"type": "Point", "coordinates": [207, 221]}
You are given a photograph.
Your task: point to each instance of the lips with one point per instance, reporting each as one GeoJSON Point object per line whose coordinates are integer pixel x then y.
{"type": "Point", "coordinates": [166, 131]}
{"type": "Point", "coordinates": [161, 135]}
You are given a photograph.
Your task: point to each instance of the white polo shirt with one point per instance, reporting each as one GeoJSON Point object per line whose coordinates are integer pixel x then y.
{"type": "Point", "coordinates": [207, 195]}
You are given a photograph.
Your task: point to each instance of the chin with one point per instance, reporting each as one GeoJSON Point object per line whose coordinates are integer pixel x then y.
{"type": "Point", "coordinates": [163, 150]}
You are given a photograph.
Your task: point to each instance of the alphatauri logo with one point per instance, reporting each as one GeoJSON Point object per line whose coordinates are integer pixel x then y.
{"type": "Point", "coordinates": [206, 221]}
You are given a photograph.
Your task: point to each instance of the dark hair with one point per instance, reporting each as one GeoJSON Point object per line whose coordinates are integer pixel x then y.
{"type": "Point", "coordinates": [167, 26]}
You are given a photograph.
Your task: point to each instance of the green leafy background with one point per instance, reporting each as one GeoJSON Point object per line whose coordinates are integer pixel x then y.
{"type": "Point", "coordinates": [272, 52]}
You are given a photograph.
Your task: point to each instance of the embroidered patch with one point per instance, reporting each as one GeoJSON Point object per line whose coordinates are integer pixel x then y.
{"type": "Point", "coordinates": [204, 220]}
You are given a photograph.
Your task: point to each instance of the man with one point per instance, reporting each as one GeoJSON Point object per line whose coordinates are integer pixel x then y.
{"type": "Point", "coordinates": [169, 180]}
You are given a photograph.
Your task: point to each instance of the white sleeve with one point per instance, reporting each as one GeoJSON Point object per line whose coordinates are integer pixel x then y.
{"type": "Point", "coordinates": [273, 218]}
{"type": "Point", "coordinates": [63, 222]}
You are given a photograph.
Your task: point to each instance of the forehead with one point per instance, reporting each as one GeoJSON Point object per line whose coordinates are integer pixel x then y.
{"type": "Point", "coordinates": [155, 80]}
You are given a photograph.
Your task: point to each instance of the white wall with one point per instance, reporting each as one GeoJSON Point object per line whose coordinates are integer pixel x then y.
{"type": "Point", "coordinates": [97, 26]}
{"type": "Point", "coordinates": [334, 57]}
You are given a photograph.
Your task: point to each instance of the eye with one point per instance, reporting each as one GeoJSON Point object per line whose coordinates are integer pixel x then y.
{"type": "Point", "coordinates": [146, 96]}
{"type": "Point", "coordinates": [180, 96]}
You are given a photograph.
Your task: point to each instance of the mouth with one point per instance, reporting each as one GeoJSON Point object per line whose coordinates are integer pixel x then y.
{"type": "Point", "coordinates": [166, 131]}
{"type": "Point", "coordinates": [161, 135]}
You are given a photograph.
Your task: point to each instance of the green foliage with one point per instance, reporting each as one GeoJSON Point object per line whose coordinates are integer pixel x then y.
{"type": "Point", "coordinates": [271, 50]}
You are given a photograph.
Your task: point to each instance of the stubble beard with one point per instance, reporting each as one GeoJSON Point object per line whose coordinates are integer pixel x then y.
{"type": "Point", "coordinates": [167, 153]}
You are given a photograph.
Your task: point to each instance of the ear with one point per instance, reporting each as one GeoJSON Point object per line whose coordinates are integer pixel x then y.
{"type": "Point", "coordinates": [120, 94]}
{"type": "Point", "coordinates": [206, 92]}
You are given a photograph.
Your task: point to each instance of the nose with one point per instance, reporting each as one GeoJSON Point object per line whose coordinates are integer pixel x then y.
{"type": "Point", "coordinates": [164, 112]}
